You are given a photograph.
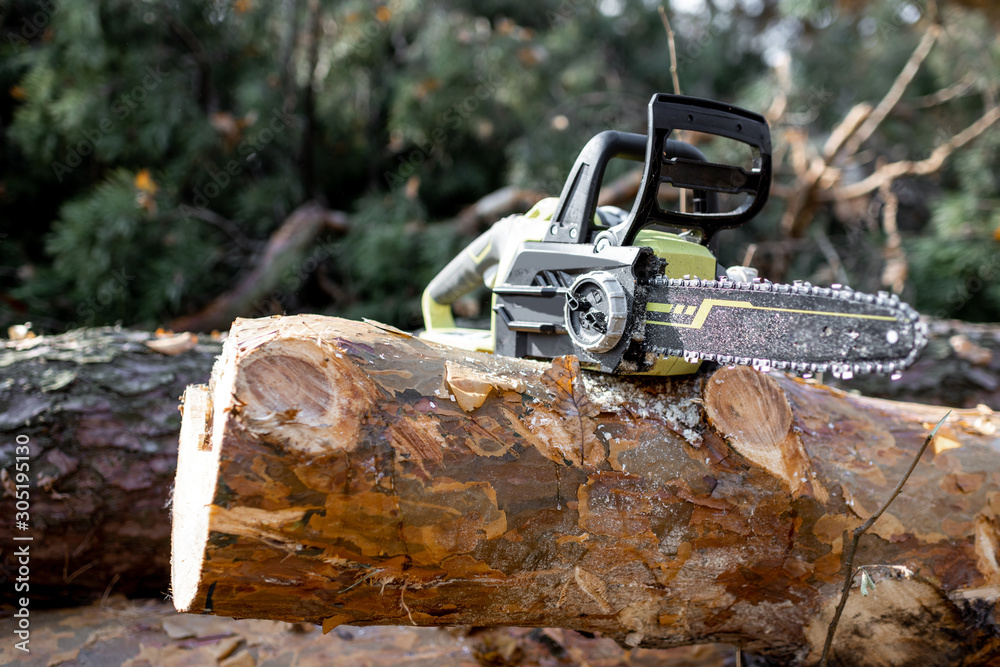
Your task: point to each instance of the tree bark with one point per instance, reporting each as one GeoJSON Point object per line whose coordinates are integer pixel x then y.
{"type": "Point", "coordinates": [344, 473]}
{"type": "Point", "coordinates": [150, 632]}
{"type": "Point", "coordinates": [98, 410]}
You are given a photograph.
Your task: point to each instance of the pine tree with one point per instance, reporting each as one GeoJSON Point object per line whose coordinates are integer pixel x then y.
{"type": "Point", "coordinates": [150, 149]}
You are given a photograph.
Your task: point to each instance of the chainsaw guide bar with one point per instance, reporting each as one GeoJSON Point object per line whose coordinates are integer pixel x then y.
{"type": "Point", "coordinates": [799, 328]}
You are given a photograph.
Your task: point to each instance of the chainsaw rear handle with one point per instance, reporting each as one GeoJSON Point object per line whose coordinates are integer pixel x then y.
{"type": "Point", "coordinates": [574, 214]}
{"type": "Point", "coordinates": [670, 113]}
{"type": "Point", "coordinates": [571, 221]}
{"type": "Point", "coordinates": [463, 274]}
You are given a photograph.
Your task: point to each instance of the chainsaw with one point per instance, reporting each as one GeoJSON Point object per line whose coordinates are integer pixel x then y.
{"type": "Point", "coordinates": [639, 292]}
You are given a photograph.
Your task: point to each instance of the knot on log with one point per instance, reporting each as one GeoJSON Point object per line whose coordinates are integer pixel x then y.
{"type": "Point", "coordinates": [750, 410]}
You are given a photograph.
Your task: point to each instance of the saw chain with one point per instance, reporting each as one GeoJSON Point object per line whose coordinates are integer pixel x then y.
{"type": "Point", "coordinates": [787, 322]}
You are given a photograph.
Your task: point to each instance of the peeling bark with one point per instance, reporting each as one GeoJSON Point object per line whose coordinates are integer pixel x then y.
{"type": "Point", "coordinates": [339, 473]}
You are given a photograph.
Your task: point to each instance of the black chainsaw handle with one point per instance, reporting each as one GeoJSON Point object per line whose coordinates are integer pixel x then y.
{"type": "Point", "coordinates": [574, 213]}
{"type": "Point", "coordinates": [670, 113]}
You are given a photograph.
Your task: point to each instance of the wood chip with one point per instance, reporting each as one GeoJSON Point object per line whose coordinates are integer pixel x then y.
{"type": "Point", "coordinates": [173, 345]}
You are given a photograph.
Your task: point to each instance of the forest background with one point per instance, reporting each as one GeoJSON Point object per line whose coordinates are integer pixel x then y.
{"type": "Point", "coordinates": [177, 164]}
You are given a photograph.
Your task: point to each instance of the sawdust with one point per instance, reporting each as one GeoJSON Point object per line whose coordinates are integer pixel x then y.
{"type": "Point", "coordinates": [611, 394]}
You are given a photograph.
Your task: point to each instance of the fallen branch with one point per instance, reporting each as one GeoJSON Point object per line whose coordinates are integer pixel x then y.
{"type": "Point", "coordinates": [473, 219]}
{"type": "Point", "coordinates": [818, 174]}
{"type": "Point", "coordinates": [896, 268]}
{"type": "Point", "coordinates": [930, 165]}
{"type": "Point", "coordinates": [287, 247]}
{"type": "Point", "coordinates": [957, 89]}
{"type": "Point", "coordinates": [895, 92]}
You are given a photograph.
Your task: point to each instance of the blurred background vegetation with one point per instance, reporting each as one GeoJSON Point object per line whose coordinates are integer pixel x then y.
{"type": "Point", "coordinates": [152, 151]}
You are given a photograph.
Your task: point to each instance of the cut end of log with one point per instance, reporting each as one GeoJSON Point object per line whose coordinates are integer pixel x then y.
{"type": "Point", "coordinates": [194, 488]}
{"type": "Point", "coordinates": [297, 391]}
{"type": "Point", "coordinates": [300, 384]}
{"type": "Point", "coordinates": [933, 631]}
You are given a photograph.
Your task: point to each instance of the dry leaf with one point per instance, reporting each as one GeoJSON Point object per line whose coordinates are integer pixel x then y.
{"type": "Point", "coordinates": [570, 399]}
{"type": "Point", "coordinates": [20, 331]}
{"type": "Point", "coordinates": [145, 182]}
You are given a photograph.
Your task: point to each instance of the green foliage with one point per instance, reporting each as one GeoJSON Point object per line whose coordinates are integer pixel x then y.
{"type": "Point", "coordinates": [110, 256]}
{"type": "Point", "coordinates": [956, 266]}
{"type": "Point", "coordinates": [402, 112]}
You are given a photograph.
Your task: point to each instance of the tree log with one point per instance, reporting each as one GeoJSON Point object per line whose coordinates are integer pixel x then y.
{"type": "Point", "coordinates": [98, 408]}
{"type": "Point", "coordinates": [344, 473]}
{"type": "Point", "coordinates": [104, 448]}
{"type": "Point", "coordinates": [150, 632]}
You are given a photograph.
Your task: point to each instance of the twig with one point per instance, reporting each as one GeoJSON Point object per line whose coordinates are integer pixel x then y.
{"type": "Point", "coordinates": [677, 83]}
{"type": "Point", "coordinates": [895, 270]}
{"type": "Point", "coordinates": [673, 50]}
{"type": "Point", "coordinates": [958, 89]}
{"type": "Point", "coordinates": [224, 224]}
{"type": "Point", "coordinates": [860, 530]}
{"type": "Point", "coordinates": [858, 114]}
{"type": "Point", "coordinates": [857, 126]}
{"type": "Point", "coordinates": [107, 591]}
{"type": "Point", "coordinates": [899, 86]}
{"type": "Point", "coordinates": [924, 167]}
{"type": "Point", "coordinates": [832, 257]}
{"type": "Point", "coordinates": [402, 601]}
